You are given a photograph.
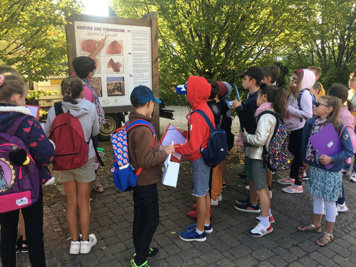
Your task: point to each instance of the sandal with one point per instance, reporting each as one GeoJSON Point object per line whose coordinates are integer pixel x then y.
{"type": "Point", "coordinates": [98, 188]}
{"type": "Point", "coordinates": [325, 239]}
{"type": "Point", "coordinates": [309, 228]}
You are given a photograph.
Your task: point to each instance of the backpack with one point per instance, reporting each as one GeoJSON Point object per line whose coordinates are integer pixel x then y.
{"type": "Point", "coordinates": [217, 149]}
{"type": "Point", "coordinates": [67, 133]}
{"type": "Point", "coordinates": [19, 183]}
{"type": "Point", "coordinates": [277, 157]}
{"type": "Point", "coordinates": [299, 98]}
{"type": "Point", "coordinates": [124, 176]}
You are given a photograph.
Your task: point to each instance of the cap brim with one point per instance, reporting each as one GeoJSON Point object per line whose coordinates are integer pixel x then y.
{"type": "Point", "coordinates": [241, 74]}
{"type": "Point", "coordinates": [181, 91]}
{"type": "Point", "coordinates": [158, 101]}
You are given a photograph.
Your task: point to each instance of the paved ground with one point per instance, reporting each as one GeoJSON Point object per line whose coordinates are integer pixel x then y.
{"type": "Point", "coordinates": [229, 245]}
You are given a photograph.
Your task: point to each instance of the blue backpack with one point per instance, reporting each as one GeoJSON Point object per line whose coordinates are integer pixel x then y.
{"type": "Point", "coordinates": [124, 176]}
{"type": "Point", "coordinates": [217, 149]}
{"type": "Point", "coordinates": [299, 98]}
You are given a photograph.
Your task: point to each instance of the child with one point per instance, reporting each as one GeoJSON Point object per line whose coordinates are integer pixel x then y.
{"type": "Point", "coordinates": [198, 92]}
{"type": "Point", "coordinates": [78, 182]}
{"type": "Point", "coordinates": [226, 120]}
{"type": "Point", "coordinates": [145, 194]}
{"type": "Point", "coordinates": [315, 90]}
{"type": "Point", "coordinates": [252, 79]}
{"type": "Point", "coordinates": [325, 185]}
{"type": "Point", "coordinates": [272, 99]}
{"type": "Point", "coordinates": [352, 99]}
{"type": "Point", "coordinates": [272, 73]}
{"type": "Point", "coordinates": [341, 92]}
{"type": "Point", "coordinates": [299, 109]}
{"type": "Point", "coordinates": [317, 73]}
{"type": "Point", "coordinates": [13, 92]}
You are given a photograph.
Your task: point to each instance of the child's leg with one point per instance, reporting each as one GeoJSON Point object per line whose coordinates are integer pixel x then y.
{"type": "Point", "coordinates": [330, 216]}
{"type": "Point", "coordinates": [341, 199]}
{"type": "Point", "coordinates": [297, 168]}
{"type": "Point", "coordinates": [318, 210]}
{"type": "Point", "coordinates": [216, 181]}
{"type": "Point", "coordinates": [253, 194]}
{"type": "Point", "coordinates": [203, 211]}
{"type": "Point", "coordinates": [146, 219]}
{"type": "Point", "coordinates": [83, 192]}
{"type": "Point", "coordinates": [9, 221]}
{"type": "Point", "coordinates": [269, 178]}
{"type": "Point", "coordinates": [70, 189]}
{"type": "Point", "coordinates": [265, 199]}
{"type": "Point", "coordinates": [22, 224]}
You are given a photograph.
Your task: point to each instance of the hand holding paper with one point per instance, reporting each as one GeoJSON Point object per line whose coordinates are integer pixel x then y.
{"type": "Point", "coordinates": [325, 160]}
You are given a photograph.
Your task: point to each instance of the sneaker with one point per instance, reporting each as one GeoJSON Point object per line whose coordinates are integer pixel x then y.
{"type": "Point", "coordinates": [341, 208]}
{"type": "Point", "coordinates": [74, 247]}
{"type": "Point", "coordinates": [247, 207]}
{"type": "Point", "coordinates": [133, 264]}
{"type": "Point", "coordinates": [193, 214]}
{"type": "Point", "coordinates": [19, 244]}
{"type": "Point", "coordinates": [345, 172]}
{"type": "Point", "coordinates": [261, 230]}
{"type": "Point", "coordinates": [271, 219]}
{"type": "Point", "coordinates": [151, 252]}
{"type": "Point", "coordinates": [207, 229]}
{"type": "Point", "coordinates": [223, 185]}
{"type": "Point", "coordinates": [24, 247]}
{"type": "Point", "coordinates": [192, 236]}
{"type": "Point", "coordinates": [214, 202]}
{"type": "Point", "coordinates": [353, 177]}
{"type": "Point", "coordinates": [247, 187]}
{"type": "Point", "coordinates": [220, 197]}
{"type": "Point", "coordinates": [305, 176]}
{"type": "Point", "coordinates": [242, 200]}
{"type": "Point", "coordinates": [85, 246]}
{"type": "Point", "coordinates": [287, 180]}
{"type": "Point", "coordinates": [195, 206]}
{"type": "Point", "coordinates": [293, 189]}
{"type": "Point", "coordinates": [270, 192]}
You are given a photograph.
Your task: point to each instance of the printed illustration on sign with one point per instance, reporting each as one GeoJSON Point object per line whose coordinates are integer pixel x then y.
{"type": "Point", "coordinates": [114, 47]}
{"type": "Point", "coordinates": [95, 82]}
{"type": "Point", "coordinates": [115, 65]}
{"type": "Point", "coordinates": [116, 86]}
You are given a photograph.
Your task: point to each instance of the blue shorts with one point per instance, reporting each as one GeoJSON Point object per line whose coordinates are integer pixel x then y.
{"type": "Point", "coordinates": [200, 177]}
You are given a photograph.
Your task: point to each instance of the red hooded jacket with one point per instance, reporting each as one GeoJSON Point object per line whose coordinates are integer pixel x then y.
{"type": "Point", "coordinates": [198, 92]}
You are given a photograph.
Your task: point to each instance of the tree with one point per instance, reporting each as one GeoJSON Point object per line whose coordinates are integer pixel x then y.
{"type": "Point", "coordinates": [214, 38]}
{"type": "Point", "coordinates": [32, 36]}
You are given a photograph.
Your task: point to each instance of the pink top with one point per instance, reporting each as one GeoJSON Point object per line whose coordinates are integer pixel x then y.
{"type": "Point", "coordinates": [88, 94]}
{"type": "Point", "coordinates": [349, 121]}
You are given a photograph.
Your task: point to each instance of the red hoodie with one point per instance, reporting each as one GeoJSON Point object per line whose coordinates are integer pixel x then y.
{"type": "Point", "coordinates": [198, 92]}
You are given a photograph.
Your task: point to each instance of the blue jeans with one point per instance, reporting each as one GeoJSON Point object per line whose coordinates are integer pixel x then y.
{"type": "Point", "coordinates": [341, 200]}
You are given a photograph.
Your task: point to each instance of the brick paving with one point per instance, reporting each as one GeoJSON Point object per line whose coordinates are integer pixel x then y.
{"type": "Point", "coordinates": [229, 245]}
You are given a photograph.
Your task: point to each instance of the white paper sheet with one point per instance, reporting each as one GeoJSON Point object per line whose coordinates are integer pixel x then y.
{"type": "Point", "coordinates": [173, 135]}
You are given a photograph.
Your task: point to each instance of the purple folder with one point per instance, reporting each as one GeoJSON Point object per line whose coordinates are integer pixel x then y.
{"type": "Point", "coordinates": [326, 142]}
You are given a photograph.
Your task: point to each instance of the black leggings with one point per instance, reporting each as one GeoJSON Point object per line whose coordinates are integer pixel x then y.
{"type": "Point", "coordinates": [295, 147]}
{"type": "Point", "coordinates": [33, 216]}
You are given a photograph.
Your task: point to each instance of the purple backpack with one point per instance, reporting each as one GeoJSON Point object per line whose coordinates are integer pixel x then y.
{"type": "Point", "coordinates": [19, 179]}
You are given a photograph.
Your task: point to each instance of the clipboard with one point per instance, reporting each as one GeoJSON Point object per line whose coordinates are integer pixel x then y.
{"type": "Point", "coordinates": [172, 135]}
{"type": "Point", "coordinates": [35, 110]}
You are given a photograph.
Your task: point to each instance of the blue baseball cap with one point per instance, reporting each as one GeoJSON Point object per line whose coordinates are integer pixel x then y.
{"type": "Point", "coordinates": [142, 94]}
{"type": "Point", "coordinates": [181, 89]}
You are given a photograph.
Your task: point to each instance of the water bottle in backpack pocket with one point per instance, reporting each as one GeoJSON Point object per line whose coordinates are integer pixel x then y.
{"type": "Point", "coordinates": [19, 174]}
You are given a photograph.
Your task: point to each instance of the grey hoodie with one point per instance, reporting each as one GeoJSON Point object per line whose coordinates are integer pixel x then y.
{"type": "Point", "coordinates": [85, 111]}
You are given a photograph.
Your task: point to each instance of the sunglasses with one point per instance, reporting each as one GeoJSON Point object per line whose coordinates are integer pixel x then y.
{"type": "Point", "coordinates": [293, 78]}
{"type": "Point", "coordinates": [317, 104]}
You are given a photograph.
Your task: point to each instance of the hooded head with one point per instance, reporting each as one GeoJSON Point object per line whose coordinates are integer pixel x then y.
{"type": "Point", "coordinates": [308, 80]}
{"type": "Point", "coordinates": [198, 91]}
{"type": "Point", "coordinates": [229, 87]}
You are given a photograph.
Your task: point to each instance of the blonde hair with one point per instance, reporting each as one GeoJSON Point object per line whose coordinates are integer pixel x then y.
{"type": "Point", "coordinates": [333, 101]}
{"type": "Point", "coordinates": [13, 84]}
{"type": "Point", "coordinates": [294, 87]}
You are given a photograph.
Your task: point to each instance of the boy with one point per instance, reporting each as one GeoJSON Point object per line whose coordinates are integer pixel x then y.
{"type": "Point", "coordinates": [252, 79]}
{"type": "Point", "coordinates": [145, 195]}
{"type": "Point", "coordinates": [272, 73]}
{"type": "Point", "coordinates": [317, 73]}
{"type": "Point", "coordinates": [198, 92]}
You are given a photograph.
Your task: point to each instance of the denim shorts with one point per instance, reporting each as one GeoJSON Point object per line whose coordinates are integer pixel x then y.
{"type": "Point", "coordinates": [200, 177]}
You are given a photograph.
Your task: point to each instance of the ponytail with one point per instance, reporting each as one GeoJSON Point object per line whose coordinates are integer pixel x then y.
{"type": "Point", "coordinates": [277, 96]}
{"type": "Point", "coordinates": [350, 106]}
{"type": "Point", "coordinates": [72, 88]}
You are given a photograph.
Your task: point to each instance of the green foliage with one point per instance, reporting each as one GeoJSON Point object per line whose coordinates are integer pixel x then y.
{"type": "Point", "coordinates": [32, 36]}
{"type": "Point", "coordinates": [35, 94]}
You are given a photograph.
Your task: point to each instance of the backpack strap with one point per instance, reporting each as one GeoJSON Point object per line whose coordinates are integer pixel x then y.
{"type": "Point", "coordinates": [141, 123]}
{"type": "Point", "coordinates": [206, 118]}
{"type": "Point", "coordinates": [352, 99]}
{"type": "Point", "coordinates": [15, 125]}
{"type": "Point", "coordinates": [58, 108]}
{"type": "Point", "coordinates": [299, 99]}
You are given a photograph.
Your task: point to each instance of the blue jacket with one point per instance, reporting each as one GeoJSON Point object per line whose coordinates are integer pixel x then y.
{"type": "Point", "coordinates": [345, 153]}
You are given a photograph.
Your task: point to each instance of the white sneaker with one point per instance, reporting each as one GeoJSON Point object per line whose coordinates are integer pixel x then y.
{"type": "Point", "coordinates": [74, 247]}
{"type": "Point", "coordinates": [270, 192]}
{"type": "Point", "coordinates": [214, 202]}
{"type": "Point", "coordinates": [353, 177]}
{"type": "Point", "coordinates": [345, 172]}
{"type": "Point", "coordinates": [86, 246]}
{"type": "Point", "coordinates": [248, 187]}
{"type": "Point", "coordinates": [341, 208]}
{"type": "Point", "coordinates": [220, 197]}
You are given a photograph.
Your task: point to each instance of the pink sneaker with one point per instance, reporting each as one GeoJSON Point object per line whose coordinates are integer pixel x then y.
{"type": "Point", "coordinates": [293, 189]}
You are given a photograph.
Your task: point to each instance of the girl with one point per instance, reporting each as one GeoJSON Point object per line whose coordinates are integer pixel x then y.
{"type": "Point", "coordinates": [341, 92]}
{"type": "Point", "coordinates": [13, 92]}
{"type": "Point", "coordinates": [299, 110]}
{"type": "Point", "coordinates": [78, 182]}
{"type": "Point", "coordinates": [325, 185]}
{"type": "Point", "coordinates": [273, 99]}
{"type": "Point", "coordinates": [352, 98]}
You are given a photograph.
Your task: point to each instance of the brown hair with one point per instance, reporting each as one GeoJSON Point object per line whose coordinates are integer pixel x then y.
{"type": "Point", "coordinates": [277, 96]}
{"type": "Point", "coordinates": [273, 72]}
{"type": "Point", "coordinates": [317, 70]}
{"type": "Point", "coordinates": [214, 88]}
{"type": "Point", "coordinates": [72, 88]}
{"type": "Point", "coordinates": [13, 84]}
{"type": "Point", "coordinates": [342, 93]}
{"type": "Point", "coordinates": [333, 101]}
{"type": "Point", "coordinates": [294, 87]}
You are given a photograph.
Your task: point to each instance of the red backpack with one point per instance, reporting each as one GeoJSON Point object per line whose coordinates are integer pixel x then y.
{"type": "Point", "coordinates": [67, 134]}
